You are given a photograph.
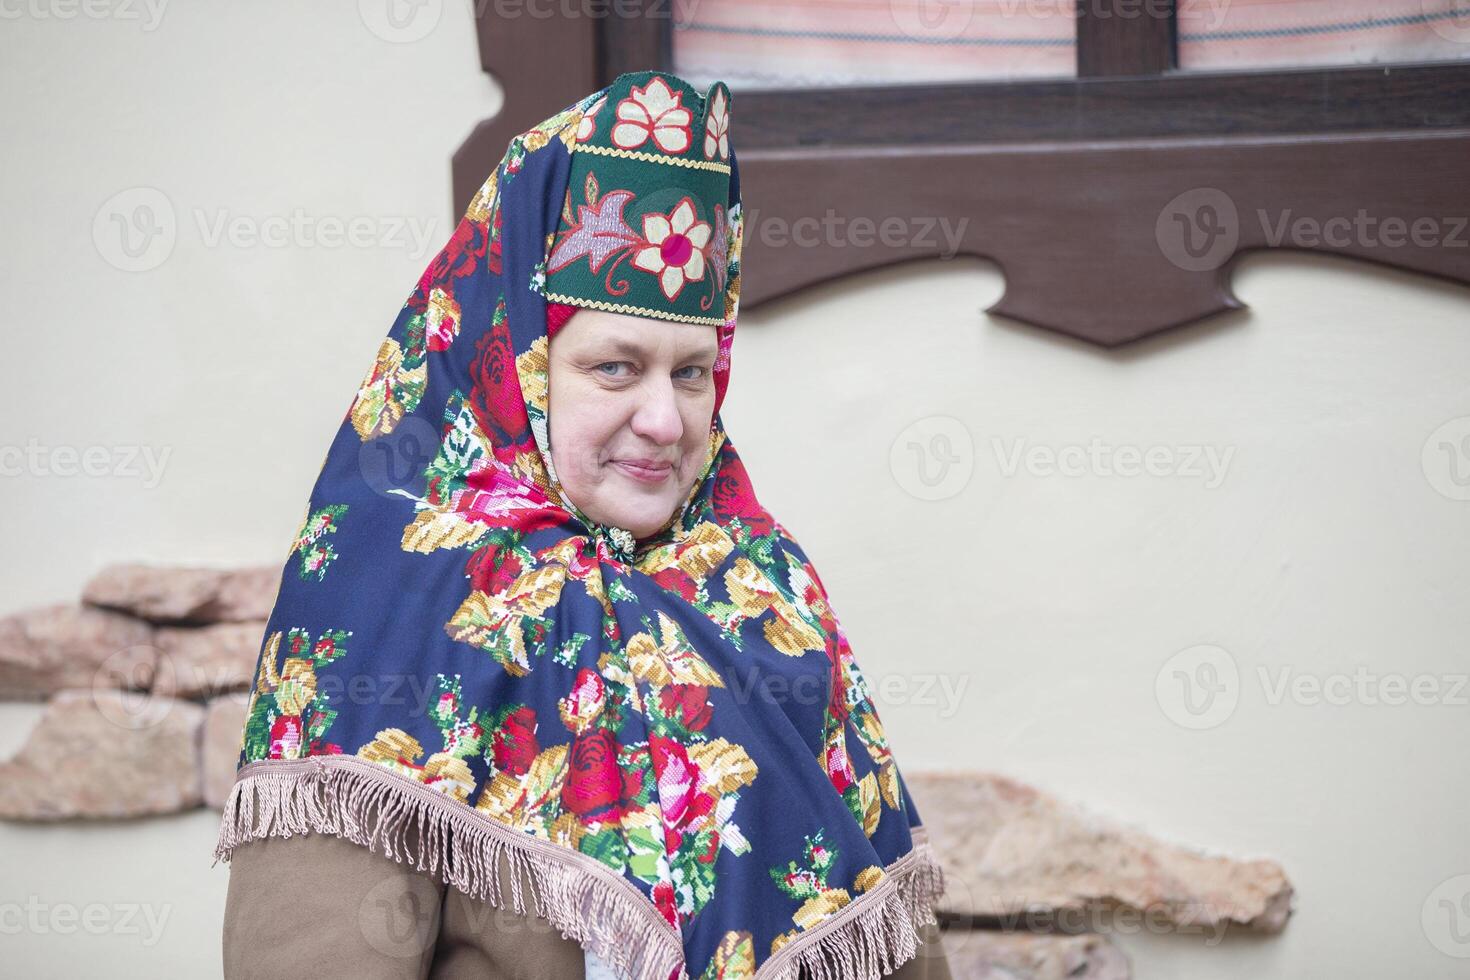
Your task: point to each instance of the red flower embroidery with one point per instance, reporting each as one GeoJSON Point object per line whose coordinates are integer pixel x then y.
{"type": "Point", "coordinates": [594, 785]}
{"type": "Point", "coordinates": [663, 898]}
{"type": "Point", "coordinates": [839, 770]}
{"type": "Point", "coordinates": [687, 704]}
{"type": "Point", "coordinates": [515, 746]}
{"type": "Point", "coordinates": [286, 737]}
{"type": "Point", "coordinates": [676, 580]}
{"type": "Point", "coordinates": [733, 497]}
{"type": "Point", "coordinates": [496, 394]}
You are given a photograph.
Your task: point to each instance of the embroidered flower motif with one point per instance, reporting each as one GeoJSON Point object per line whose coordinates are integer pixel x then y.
{"type": "Point", "coordinates": [599, 233]}
{"type": "Point", "coordinates": [285, 742]}
{"type": "Point", "coordinates": [317, 554]}
{"type": "Point", "coordinates": [588, 125]}
{"type": "Point", "coordinates": [716, 128]}
{"type": "Point", "coordinates": [596, 787]}
{"type": "Point", "coordinates": [653, 111]}
{"type": "Point", "coordinates": [675, 247]}
{"type": "Point", "coordinates": [441, 319]}
{"type": "Point", "coordinates": [515, 746]}
{"type": "Point", "coordinates": [582, 706]}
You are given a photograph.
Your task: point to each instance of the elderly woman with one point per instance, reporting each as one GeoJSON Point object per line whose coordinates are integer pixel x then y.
{"type": "Point", "coordinates": [565, 700]}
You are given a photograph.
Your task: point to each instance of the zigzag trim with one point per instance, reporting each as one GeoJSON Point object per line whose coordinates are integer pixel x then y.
{"type": "Point", "coordinates": [610, 151]}
{"type": "Point", "coordinates": [598, 304]}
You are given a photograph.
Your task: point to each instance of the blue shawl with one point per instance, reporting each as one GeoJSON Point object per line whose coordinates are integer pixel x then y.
{"type": "Point", "coordinates": [670, 735]}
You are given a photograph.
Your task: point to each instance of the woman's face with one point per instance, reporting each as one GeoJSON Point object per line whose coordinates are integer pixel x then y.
{"type": "Point", "coordinates": [631, 400]}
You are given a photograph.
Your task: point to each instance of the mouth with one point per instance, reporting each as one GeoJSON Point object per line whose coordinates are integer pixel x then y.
{"type": "Point", "coordinates": [645, 470]}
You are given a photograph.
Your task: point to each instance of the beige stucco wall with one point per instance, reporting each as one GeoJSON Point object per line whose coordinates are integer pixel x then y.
{"type": "Point", "coordinates": [1014, 619]}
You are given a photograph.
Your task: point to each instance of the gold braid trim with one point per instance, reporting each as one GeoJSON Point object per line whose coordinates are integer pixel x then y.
{"type": "Point", "coordinates": [598, 304]}
{"type": "Point", "coordinates": [611, 151]}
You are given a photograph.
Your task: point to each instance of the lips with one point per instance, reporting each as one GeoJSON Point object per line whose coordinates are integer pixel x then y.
{"type": "Point", "coordinates": [647, 470]}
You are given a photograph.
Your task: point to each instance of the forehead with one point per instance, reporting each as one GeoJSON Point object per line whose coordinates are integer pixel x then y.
{"type": "Point", "coordinates": [600, 330]}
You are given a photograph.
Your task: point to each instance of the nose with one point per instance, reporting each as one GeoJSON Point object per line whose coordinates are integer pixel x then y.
{"type": "Point", "coordinates": [657, 416]}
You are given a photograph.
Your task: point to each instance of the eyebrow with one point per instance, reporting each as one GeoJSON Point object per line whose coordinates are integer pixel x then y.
{"type": "Point", "coordinates": [627, 348]}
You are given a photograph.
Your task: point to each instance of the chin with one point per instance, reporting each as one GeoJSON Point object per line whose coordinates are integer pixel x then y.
{"type": "Point", "coordinates": [642, 523]}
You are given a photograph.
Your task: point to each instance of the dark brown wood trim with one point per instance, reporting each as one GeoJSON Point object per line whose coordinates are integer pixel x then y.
{"type": "Point", "coordinates": [1125, 37]}
{"type": "Point", "coordinates": [543, 64]}
{"type": "Point", "coordinates": [1107, 243]}
{"type": "Point", "coordinates": [637, 35]}
{"type": "Point", "coordinates": [1315, 100]}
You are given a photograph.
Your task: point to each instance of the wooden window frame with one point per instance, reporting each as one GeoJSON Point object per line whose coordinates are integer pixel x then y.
{"type": "Point", "coordinates": [1081, 189]}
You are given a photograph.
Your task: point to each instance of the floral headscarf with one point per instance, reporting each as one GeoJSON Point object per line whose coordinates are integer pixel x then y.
{"type": "Point", "coordinates": [669, 734]}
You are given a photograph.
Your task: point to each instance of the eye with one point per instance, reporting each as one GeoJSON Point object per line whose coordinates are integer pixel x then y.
{"type": "Point", "coordinates": [698, 369]}
{"type": "Point", "coordinates": [612, 364]}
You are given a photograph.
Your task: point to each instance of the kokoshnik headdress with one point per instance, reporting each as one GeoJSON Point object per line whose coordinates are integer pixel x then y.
{"type": "Point", "coordinates": [669, 734]}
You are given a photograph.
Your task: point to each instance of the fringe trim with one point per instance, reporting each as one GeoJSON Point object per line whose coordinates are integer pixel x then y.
{"type": "Point", "coordinates": [875, 934]}
{"type": "Point", "coordinates": [588, 902]}
{"type": "Point", "coordinates": [375, 807]}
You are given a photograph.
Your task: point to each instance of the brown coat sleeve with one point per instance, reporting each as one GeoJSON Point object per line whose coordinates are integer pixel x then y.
{"type": "Point", "coordinates": [930, 963]}
{"type": "Point", "coordinates": [319, 906]}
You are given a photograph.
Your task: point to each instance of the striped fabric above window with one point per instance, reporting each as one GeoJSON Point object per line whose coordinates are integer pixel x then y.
{"type": "Point", "coordinates": [754, 44]}
{"type": "Point", "coordinates": [1217, 35]}
{"type": "Point", "coordinates": [825, 43]}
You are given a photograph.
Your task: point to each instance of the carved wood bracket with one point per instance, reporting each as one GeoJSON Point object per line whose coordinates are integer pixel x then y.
{"type": "Point", "coordinates": [1107, 242]}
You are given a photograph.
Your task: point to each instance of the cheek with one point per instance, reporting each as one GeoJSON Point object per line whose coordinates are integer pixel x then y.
{"type": "Point", "coordinates": [586, 427]}
{"type": "Point", "coordinates": [697, 417]}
